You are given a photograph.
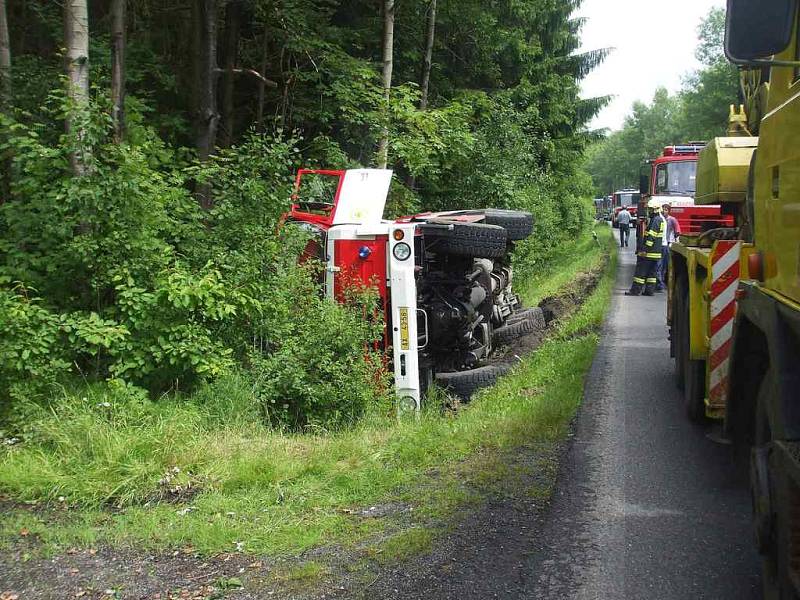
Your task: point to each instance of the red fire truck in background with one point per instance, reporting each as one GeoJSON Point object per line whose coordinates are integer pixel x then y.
{"type": "Point", "coordinates": [672, 179]}
{"type": "Point", "coordinates": [624, 199]}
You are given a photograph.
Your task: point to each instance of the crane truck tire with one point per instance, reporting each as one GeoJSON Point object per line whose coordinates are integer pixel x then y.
{"type": "Point", "coordinates": [518, 224]}
{"type": "Point", "coordinates": [465, 383]}
{"type": "Point", "coordinates": [773, 502]}
{"type": "Point", "coordinates": [679, 341]}
{"type": "Point", "coordinates": [693, 372]}
{"type": "Point", "coordinates": [473, 240]}
{"type": "Point", "coordinates": [694, 388]}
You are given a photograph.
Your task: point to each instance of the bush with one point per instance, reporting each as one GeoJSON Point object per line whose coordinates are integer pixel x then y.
{"type": "Point", "coordinates": [135, 282]}
{"type": "Point", "coordinates": [562, 210]}
{"type": "Point", "coordinates": [320, 373]}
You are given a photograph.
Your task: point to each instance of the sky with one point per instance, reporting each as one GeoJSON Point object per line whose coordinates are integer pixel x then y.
{"type": "Point", "coordinates": [654, 44]}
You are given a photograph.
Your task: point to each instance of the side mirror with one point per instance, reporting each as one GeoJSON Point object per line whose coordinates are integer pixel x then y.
{"type": "Point", "coordinates": [758, 29]}
{"type": "Point", "coordinates": [644, 184]}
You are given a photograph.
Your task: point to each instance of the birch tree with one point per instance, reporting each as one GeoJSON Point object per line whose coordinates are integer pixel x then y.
{"type": "Point", "coordinates": [428, 58]}
{"type": "Point", "coordinates": [206, 74]}
{"type": "Point", "coordinates": [76, 39]}
{"type": "Point", "coordinates": [5, 58]}
{"type": "Point", "coordinates": [118, 68]}
{"type": "Point", "coordinates": [388, 64]}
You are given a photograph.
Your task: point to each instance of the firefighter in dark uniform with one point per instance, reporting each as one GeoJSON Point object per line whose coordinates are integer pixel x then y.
{"type": "Point", "coordinates": [649, 253]}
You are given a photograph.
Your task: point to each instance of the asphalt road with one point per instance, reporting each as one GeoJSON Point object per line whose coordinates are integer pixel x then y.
{"type": "Point", "coordinates": [648, 506]}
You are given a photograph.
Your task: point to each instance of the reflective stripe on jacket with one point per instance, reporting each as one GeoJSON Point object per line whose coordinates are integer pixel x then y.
{"type": "Point", "coordinates": [654, 237]}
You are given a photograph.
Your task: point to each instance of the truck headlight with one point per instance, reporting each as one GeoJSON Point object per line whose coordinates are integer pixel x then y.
{"type": "Point", "coordinates": [402, 251]}
{"type": "Point", "coordinates": [406, 405]}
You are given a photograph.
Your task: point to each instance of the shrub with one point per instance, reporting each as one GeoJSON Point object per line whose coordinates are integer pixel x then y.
{"type": "Point", "coordinates": [135, 282]}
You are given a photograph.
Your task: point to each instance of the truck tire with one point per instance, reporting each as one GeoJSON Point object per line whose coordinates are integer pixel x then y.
{"type": "Point", "coordinates": [505, 335]}
{"type": "Point", "coordinates": [535, 313]}
{"type": "Point", "coordinates": [518, 224]}
{"type": "Point", "coordinates": [694, 391]}
{"type": "Point", "coordinates": [773, 499]}
{"type": "Point", "coordinates": [465, 383]}
{"type": "Point", "coordinates": [473, 240]}
{"type": "Point", "coordinates": [694, 371]}
{"type": "Point", "coordinates": [679, 340]}
{"type": "Point", "coordinates": [748, 228]}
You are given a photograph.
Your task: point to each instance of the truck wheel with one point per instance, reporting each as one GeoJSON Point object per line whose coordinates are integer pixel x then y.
{"type": "Point", "coordinates": [474, 240]}
{"type": "Point", "coordinates": [694, 391]}
{"type": "Point", "coordinates": [503, 336]}
{"type": "Point", "coordinates": [680, 341]}
{"type": "Point", "coordinates": [518, 224]}
{"type": "Point", "coordinates": [536, 314]}
{"type": "Point", "coordinates": [694, 371]}
{"type": "Point", "coordinates": [774, 498]}
{"type": "Point", "coordinates": [465, 383]}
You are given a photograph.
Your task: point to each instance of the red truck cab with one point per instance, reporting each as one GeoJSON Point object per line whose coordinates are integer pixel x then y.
{"type": "Point", "coordinates": [672, 179]}
{"type": "Point", "coordinates": [629, 199]}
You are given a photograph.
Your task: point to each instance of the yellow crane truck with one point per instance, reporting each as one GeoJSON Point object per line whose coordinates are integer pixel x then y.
{"type": "Point", "coordinates": [734, 292]}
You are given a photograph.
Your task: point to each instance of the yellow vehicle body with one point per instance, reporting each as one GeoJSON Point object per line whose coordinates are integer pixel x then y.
{"type": "Point", "coordinates": [723, 169]}
{"type": "Point", "coordinates": [734, 294]}
{"type": "Point", "coordinates": [776, 179]}
{"type": "Point", "coordinates": [693, 261]}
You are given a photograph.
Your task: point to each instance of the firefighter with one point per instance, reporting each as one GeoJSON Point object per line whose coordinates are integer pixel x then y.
{"type": "Point", "coordinates": [649, 253]}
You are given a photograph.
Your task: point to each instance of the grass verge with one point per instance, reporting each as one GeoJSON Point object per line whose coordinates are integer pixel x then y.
{"type": "Point", "coordinates": [245, 488]}
{"type": "Point", "coordinates": [579, 256]}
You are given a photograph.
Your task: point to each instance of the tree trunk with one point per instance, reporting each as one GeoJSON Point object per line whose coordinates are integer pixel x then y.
{"type": "Point", "coordinates": [233, 12]}
{"type": "Point", "coordinates": [388, 63]}
{"type": "Point", "coordinates": [207, 117]}
{"type": "Point", "coordinates": [118, 68]}
{"type": "Point", "coordinates": [424, 85]}
{"type": "Point", "coordinates": [5, 59]}
{"type": "Point", "coordinates": [5, 100]}
{"type": "Point", "coordinates": [261, 84]}
{"type": "Point", "coordinates": [76, 38]}
{"type": "Point", "coordinates": [427, 61]}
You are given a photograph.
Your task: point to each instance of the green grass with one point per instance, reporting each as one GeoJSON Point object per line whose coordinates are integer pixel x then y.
{"type": "Point", "coordinates": [581, 255]}
{"type": "Point", "coordinates": [403, 545]}
{"type": "Point", "coordinates": [301, 575]}
{"type": "Point", "coordinates": [106, 468]}
{"type": "Point", "coordinates": [590, 315]}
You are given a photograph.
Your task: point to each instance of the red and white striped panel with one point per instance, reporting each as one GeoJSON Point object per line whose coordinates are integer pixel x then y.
{"type": "Point", "coordinates": [724, 283]}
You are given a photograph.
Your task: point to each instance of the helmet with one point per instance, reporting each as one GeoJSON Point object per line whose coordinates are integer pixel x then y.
{"type": "Point", "coordinates": [654, 204]}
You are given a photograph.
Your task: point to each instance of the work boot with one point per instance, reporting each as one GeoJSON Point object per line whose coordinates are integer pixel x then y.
{"type": "Point", "coordinates": [649, 290]}
{"type": "Point", "coordinates": [636, 290]}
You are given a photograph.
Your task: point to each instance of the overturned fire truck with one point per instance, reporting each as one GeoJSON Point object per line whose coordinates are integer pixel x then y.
{"type": "Point", "coordinates": [444, 279]}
